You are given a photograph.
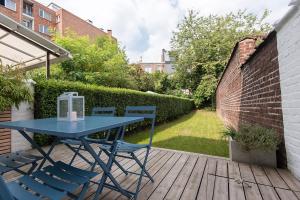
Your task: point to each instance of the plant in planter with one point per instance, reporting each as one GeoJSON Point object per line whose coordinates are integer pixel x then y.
{"type": "Point", "coordinates": [253, 144]}
{"type": "Point", "coordinates": [13, 89]}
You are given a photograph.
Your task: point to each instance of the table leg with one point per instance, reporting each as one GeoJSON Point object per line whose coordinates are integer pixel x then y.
{"type": "Point", "coordinates": [106, 170]}
{"type": "Point", "coordinates": [35, 145]}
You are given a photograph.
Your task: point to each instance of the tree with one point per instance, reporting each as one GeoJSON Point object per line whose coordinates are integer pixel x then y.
{"type": "Point", "coordinates": [143, 80]}
{"type": "Point", "coordinates": [162, 83]}
{"type": "Point", "coordinates": [202, 44]}
{"type": "Point", "coordinates": [13, 89]}
{"type": "Point", "coordinates": [205, 91]}
{"type": "Point", "coordinates": [99, 61]}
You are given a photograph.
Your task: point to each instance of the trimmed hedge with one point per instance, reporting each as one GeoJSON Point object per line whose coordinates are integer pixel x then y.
{"type": "Point", "coordinates": [46, 92]}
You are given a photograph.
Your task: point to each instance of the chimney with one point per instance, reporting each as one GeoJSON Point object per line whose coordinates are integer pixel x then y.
{"type": "Point", "coordinates": [163, 55]}
{"type": "Point", "coordinates": [109, 32]}
{"type": "Point", "coordinates": [246, 48]}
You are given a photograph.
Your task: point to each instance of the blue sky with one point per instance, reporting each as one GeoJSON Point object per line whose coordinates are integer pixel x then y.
{"type": "Point", "coordinates": [144, 27]}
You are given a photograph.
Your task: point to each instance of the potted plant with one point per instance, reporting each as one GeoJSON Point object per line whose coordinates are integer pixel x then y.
{"type": "Point", "coordinates": [253, 144]}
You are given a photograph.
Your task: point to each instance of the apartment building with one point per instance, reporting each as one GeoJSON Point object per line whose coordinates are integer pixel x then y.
{"type": "Point", "coordinates": [166, 65]}
{"type": "Point", "coordinates": [44, 19]}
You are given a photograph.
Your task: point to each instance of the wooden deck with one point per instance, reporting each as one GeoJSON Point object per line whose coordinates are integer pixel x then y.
{"type": "Point", "coordinates": [180, 175]}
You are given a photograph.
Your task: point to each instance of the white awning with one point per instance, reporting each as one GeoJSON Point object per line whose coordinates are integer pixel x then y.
{"type": "Point", "coordinates": [20, 46]}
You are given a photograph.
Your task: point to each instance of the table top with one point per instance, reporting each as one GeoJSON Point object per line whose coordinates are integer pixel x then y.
{"type": "Point", "coordinates": [76, 129]}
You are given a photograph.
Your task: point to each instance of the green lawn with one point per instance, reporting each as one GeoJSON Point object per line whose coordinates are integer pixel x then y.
{"type": "Point", "coordinates": [199, 132]}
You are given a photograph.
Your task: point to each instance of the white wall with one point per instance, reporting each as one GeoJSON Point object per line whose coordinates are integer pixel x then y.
{"type": "Point", "coordinates": [288, 44]}
{"type": "Point", "coordinates": [25, 112]}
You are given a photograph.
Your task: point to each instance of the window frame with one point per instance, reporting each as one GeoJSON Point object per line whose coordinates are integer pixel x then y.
{"type": "Point", "coordinates": [8, 7]}
{"type": "Point", "coordinates": [45, 15]}
{"type": "Point", "coordinates": [43, 29]}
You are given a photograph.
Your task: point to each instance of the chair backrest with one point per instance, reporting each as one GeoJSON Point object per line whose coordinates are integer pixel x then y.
{"type": "Point", "coordinates": [4, 192]}
{"type": "Point", "coordinates": [104, 111]}
{"type": "Point", "coordinates": [148, 112]}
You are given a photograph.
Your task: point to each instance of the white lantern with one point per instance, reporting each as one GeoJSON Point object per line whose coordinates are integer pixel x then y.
{"type": "Point", "coordinates": [70, 107]}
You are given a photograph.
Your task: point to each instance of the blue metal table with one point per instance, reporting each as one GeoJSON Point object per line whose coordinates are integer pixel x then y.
{"type": "Point", "coordinates": [75, 130]}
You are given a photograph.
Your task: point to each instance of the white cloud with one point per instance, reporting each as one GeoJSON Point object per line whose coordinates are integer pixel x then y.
{"type": "Point", "coordinates": [144, 27]}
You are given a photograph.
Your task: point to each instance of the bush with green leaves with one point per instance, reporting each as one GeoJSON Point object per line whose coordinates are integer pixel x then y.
{"type": "Point", "coordinates": [252, 137]}
{"type": "Point", "coordinates": [46, 93]}
{"type": "Point", "coordinates": [13, 89]}
{"type": "Point", "coordinates": [205, 92]}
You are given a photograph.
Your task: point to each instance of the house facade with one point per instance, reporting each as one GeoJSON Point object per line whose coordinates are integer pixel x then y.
{"type": "Point", "coordinates": [260, 85]}
{"type": "Point", "coordinates": [44, 19]}
{"type": "Point", "coordinates": [166, 65]}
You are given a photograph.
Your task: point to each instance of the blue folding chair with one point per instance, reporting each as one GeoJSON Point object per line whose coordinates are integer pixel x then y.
{"type": "Point", "coordinates": [127, 150]}
{"type": "Point", "coordinates": [52, 182]}
{"type": "Point", "coordinates": [15, 161]}
{"type": "Point", "coordinates": [76, 146]}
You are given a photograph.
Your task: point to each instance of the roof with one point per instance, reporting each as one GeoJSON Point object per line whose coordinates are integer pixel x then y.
{"type": "Point", "coordinates": [20, 46]}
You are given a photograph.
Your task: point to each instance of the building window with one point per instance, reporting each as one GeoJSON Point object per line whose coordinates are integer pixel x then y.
{"type": "Point", "coordinates": [148, 69]}
{"type": "Point", "coordinates": [57, 18]}
{"type": "Point", "coordinates": [28, 23]}
{"type": "Point", "coordinates": [43, 29]}
{"type": "Point", "coordinates": [27, 9]}
{"type": "Point", "coordinates": [45, 15]}
{"type": "Point", "coordinates": [9, 4]}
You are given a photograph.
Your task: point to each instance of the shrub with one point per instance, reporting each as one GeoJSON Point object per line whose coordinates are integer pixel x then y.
{"type": "Point", "coordinates": [255, 137]}
{"type": "Point", "coordinates": [46, 92]}
{"type": "Point", "coordinates": [13, 88]}
{"type": "Point", "coordinates": [205, 92]}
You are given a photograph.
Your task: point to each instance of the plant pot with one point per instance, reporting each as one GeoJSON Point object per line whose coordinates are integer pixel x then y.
{"type": "Point", "coordinates": [257, 157]}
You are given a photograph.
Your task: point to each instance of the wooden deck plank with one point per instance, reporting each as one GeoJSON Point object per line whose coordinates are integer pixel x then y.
{"type": "Point", "coordinates": [153, 170]}
{"type": "Point", "coordinates": [260, 175]}
{"type": "Point", "coordinates": [193, 184]}
{"type": "Point", "coordinates": [236, 191]}
{"type": "Point", "coordinates": [234, 170]}
{"type": "Point", "coordinates": [221, 189]}
{"type": "Point", "coordinates": [286, 194]}
{"type": "Point", "coordinates": [268, 193]}
{"type": "Point", "coordinates": [179, 184]}
{"type": "Point", "coordinates": [275, 178]}
{"type": "Point", "coordinates": [208, 183]}
{"type": "Point", "coordinates": [246, 172]}
{"type": "Point", "coordinates": [252, 192]}
{"type": "Point", "coordinates": [127, 181]}
{"type": "Point", "coordinates": [118, 173]}
{"type": "Point", "coordinates": [188, 176]}
{"type": "Point", "coordinates": [150, 187]}
{"type": "Point", "coordinates": [169, 179]}
{"type": "Point", "coordinates": [289, 179]}
{"type": "Point", "coordinates": [222, 169]}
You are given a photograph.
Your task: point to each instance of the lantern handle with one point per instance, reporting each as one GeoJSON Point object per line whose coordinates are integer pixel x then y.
{"type": "Point", "coordinates": [70, 93]}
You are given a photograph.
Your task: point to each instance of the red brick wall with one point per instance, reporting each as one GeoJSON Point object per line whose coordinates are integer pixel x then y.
{"type": "Point", "coordinates": [5, 136]}
{"type": "Point", "coordinates": [41, 21]}
{"type": "Point", "coordinates": [76, 24]}
{"type": "Point", "coordinates": [15, 15]}
{"type": "Point", "coordinates": [250, 92]}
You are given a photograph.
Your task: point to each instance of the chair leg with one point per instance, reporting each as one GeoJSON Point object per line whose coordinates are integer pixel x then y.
{"type": "Point", "coordinates": [83, 191]}
{"type": "Point", "coordinates": [79, 154]}
{"type": "Point", "coordinates": [117, 163]}
{"type": "Point", "coordinates": [74, 156]}
{"type": "Point", "coordinates": [95, 163]}
{"type": "Point", "coordinates": [143, 165]}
